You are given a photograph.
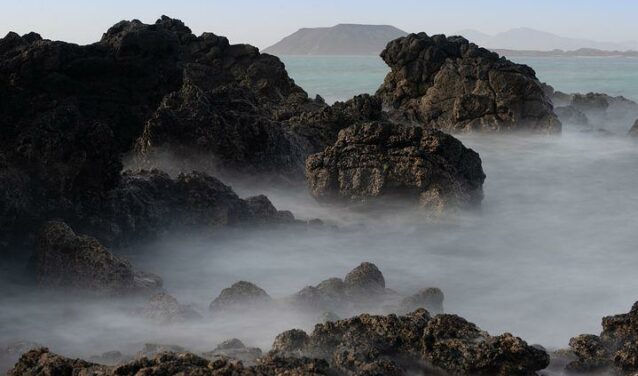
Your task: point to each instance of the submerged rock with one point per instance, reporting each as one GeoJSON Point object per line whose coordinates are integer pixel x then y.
{"type": "Point", "coordinates": [238, 296]}
{"type": "Point", "coordinates": [65, 260]}
{"type": "Point", "coordinates": [398, 345]}
{"type": "Point", "coordinates": [381, 159]}
{"type": "Point", "coordinates": [430, 298]}
{"type": "Point", "coordinates": [164, 308]}
{"type": "Point", "coordinates": [235, 349]}
{"type": "Point", "coordinates": [452, 84]}
{"type": "Point", "coordinates": [571, 115]}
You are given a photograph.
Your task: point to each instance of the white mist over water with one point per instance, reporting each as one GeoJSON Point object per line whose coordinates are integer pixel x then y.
{"type": "Point", "coordinates": [551, 251]}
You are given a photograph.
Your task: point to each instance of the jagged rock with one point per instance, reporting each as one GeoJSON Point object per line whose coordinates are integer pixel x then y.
{"type": "Point", "coordinates": [238, 296]}
{"type": "Point", "coordinates": [381, 159]}
{"type": "Point", "coordinates": [65, 260]}
{"type": "Point", "coordinates": [235, 349]}
{"type": "Point", "coordinates": [452, 84]}
{"type": "Point", "coordinates": [70, 112]}
{"type": "Point", "coordinates": [11, 352]}
{"type": "Point", "coordinates": [148, 203]}
{"type": "Point", "coordinates": [614, 350]}
{"type": "Point", "coordinates": [571, 115]}
{"type": "Point", "coordinates": [164, 308]}
{"type": "Point", "coordinates": [430, 298]}
{"type": "Point", "coordinates": [634, 129]}
{"type": "Point", "coordinates": [41, 362]}
{"type": "Point", "coordinates": [398, 344]}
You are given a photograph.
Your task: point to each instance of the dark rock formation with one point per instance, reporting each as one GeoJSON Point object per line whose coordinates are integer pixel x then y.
{"type": "Point", "coordinates": [399, 345]}
{"type": "Point", "coordinates": [365, 279]}
{"type": "Point", "coordinates": [164, 308]}
{"type": "Point", "coordinates": [238, 296]}
{"type": "Point", "coordinates": [149, 203]}
{"type": "Point", "coordinates": [430, 298]}
{"type": "Point", "coordinates": [66, 260]}
{"type": "Point", "coordinates": [378, 159]}
{"type": "Point", "coordinates": [70, 112]}
{"type": "Point", "coordinates": [614, 350]}
{"type": "Point", "coordinates": [634, 129]}
{"type": "Point", "coordinates": [10, 353]}
{"type": "Point", "coordinates": [41, 362]}
{"type": "Point", "coordinates": [451, 84]}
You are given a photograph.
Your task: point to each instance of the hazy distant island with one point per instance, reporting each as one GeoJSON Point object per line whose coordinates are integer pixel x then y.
{"type": "Point", "coordinates": [356, 39]}
{"type": "Point", "coordinates": [342, 39]}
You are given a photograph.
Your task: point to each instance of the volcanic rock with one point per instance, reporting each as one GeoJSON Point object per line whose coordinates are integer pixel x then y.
{"type": "Point", "coordinates": [452, 84]}
{"type": "Point", "coordinates": [382, 159]}
{"type": "Point", "coordinates": [239, 295]}
{"type": "Point", "coordinates": [614, 350]}
{"type": "Point", "coordinates": [396, 345]}
{"type": "Point", "coordinates": [41, 362]}
{"type": "Point", "coordinates": [65, 260]}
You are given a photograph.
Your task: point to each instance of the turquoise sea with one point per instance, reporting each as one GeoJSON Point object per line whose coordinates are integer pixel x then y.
{"type": "Point", "coordinates": [341, 77]}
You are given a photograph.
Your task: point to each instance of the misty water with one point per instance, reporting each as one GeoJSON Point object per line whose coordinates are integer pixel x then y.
{"type": "Point", "coordinates": [551, 251]}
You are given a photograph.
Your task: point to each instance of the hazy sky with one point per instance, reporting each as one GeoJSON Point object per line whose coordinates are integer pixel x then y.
{"type": "Point", "coordinates": [263, 22]}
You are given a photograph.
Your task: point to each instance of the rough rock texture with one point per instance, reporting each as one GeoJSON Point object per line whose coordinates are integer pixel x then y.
{"type": "Point", "coordinates": [147, 204]}
{"type": "Point", "coordinates": [65, 260]}
{"type": "Point", "coordinates": [365, 279]}
{"type": "Point", "coordinates": [614, 350]}
{"type": "Point", "coordinates": [70, 112]}
{"type": "Point", "coordinates": [41, 362]}
{"type": "Point", "coordinates": [378, 159]}
{"type": "Point", "coordinates": [452, 84]}
{"type": "Point", "coordinates": [164, 308]}
{"type": "Point", "coordinates": [238, 296]}
{"type": "Point", "coordinates": [430, 298]}
{"type": "Point", "coordinates": [10, 353]}
{"type": "Point", "coordinates": [400, 345]}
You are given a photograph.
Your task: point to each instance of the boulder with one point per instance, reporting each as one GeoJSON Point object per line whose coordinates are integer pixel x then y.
{"type": "Point", "coordinates": [165, 309]}
{"type": "Point", "coordinates": [429, 298]}
{"type": "Point", "coordinates": [634, 129]}
{"type": "Point", "coordinates": [383, 160]}
{"type": "Point", "coordinates": [399, 345]}
{"type": "Point", "coordinates": [238, 296]}
{"type": "Point", "coordinates": [365, 279]}
{"type": "Point", "coordinates": [613, 351]}
{"type": "Point", "coordinates": [65, 260]}
{"type": "Point", "coordinates": [452, 84]}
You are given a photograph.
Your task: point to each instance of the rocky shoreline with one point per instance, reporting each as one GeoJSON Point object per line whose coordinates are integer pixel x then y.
{"type": "Point", "coordinates": [190, 110]}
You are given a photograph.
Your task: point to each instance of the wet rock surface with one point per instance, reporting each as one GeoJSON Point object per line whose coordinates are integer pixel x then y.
{"type": "Point", "coordinates": [381, 159]}
{"type": "Point", "coordinates": [399, 345]}
{"type": "Point", "coordinates": [41, 362]}
{"type": "Point", "coordinates": [614, 350]}
{"type": "Point", "coordinates": [452, 84]}
{"type": "Point", "coordinates": [65, 260]}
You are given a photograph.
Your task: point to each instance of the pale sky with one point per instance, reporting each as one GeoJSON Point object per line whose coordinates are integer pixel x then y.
{"type": "Point", "coordinates": [264, 22]}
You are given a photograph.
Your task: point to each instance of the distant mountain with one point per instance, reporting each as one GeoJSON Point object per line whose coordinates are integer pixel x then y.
{"type": "Point", "coordinates": [581, 52]}
{"type": "Point", "coordinates": [342, 39]}
{"type": "Point", "coordinates": [530, 39]}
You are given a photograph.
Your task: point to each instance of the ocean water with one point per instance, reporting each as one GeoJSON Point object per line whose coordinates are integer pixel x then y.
{"type": "Point", "coordinates": [341, 77]}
